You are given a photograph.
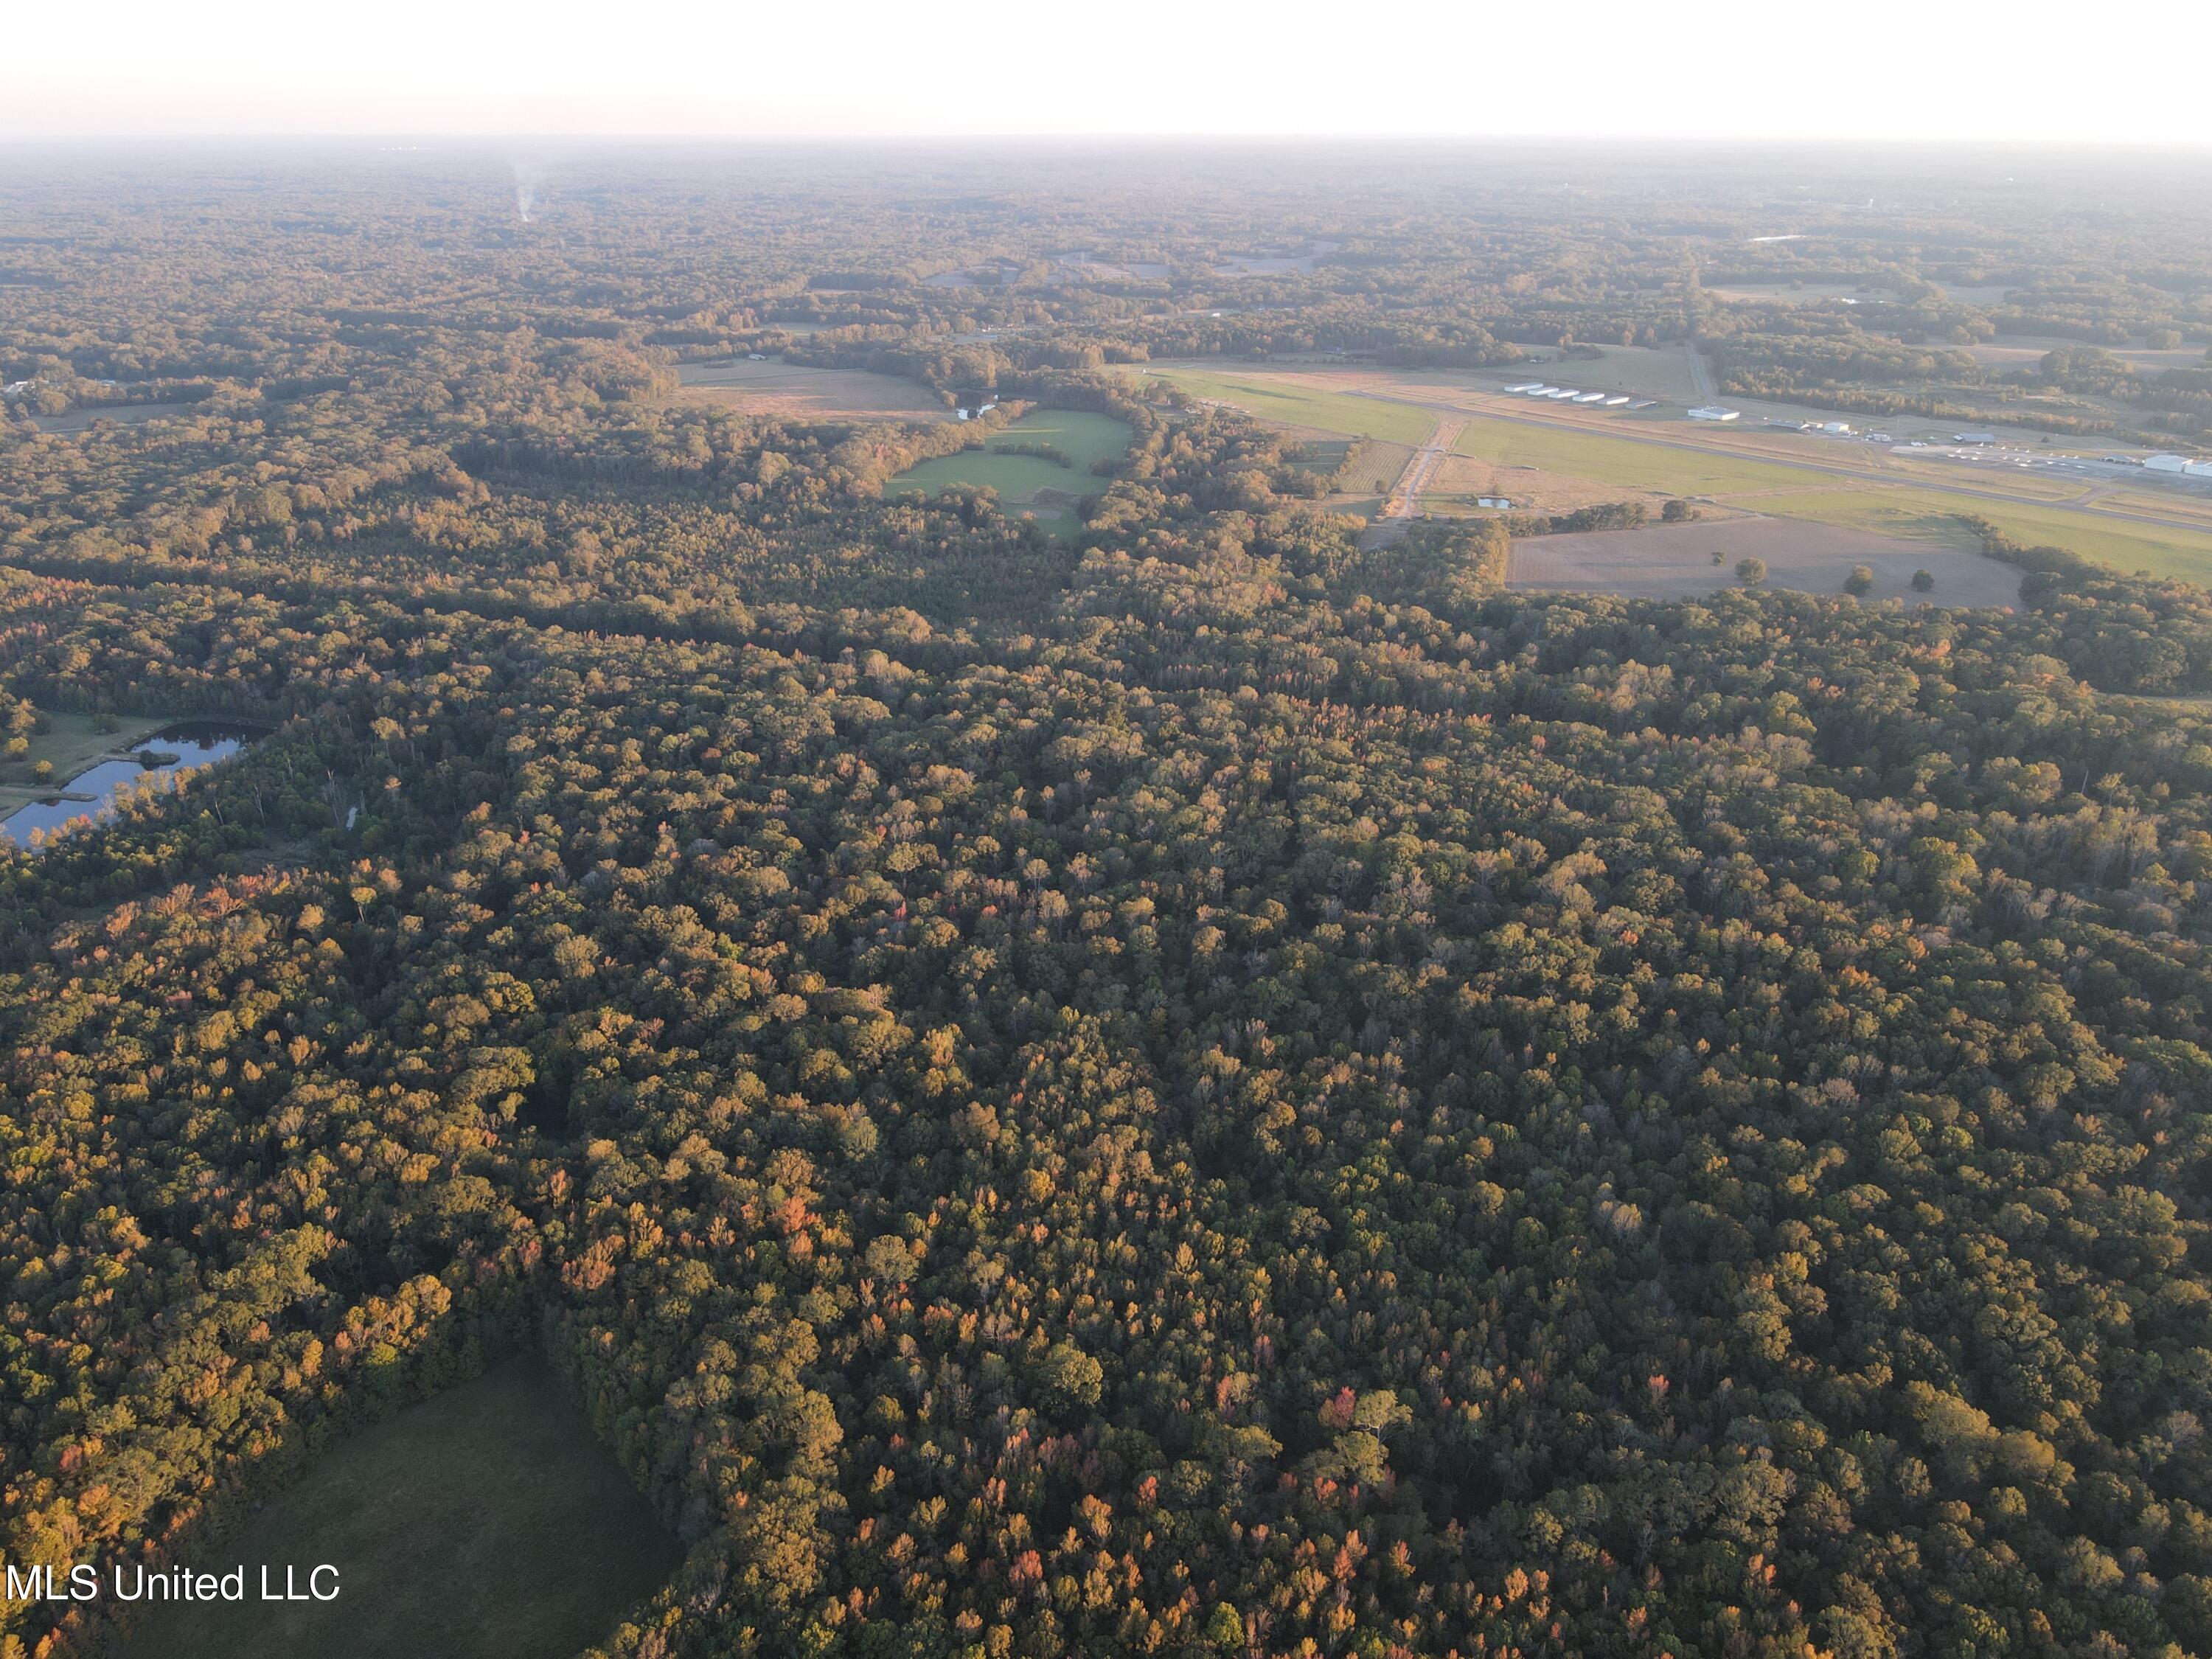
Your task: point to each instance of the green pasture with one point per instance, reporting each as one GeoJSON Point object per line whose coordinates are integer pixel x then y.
{"type": "Point", "coordinates": [1288, 402]}
{"type": "Point", "coordinates": [485, 1524]}
{"type": "Point", "coordinates": [1085, 439]}
{"type": "Point", "coordinates": [1623, 463]}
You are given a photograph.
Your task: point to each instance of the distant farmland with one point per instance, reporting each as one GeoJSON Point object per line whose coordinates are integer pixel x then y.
{"type": "Point", "coordinates": [1293, 402]}
{"type": "Point", "coordinates": [1634, 460]}
{"type": "Point", "coordinates": [798, 393]}
{"type": "Point", "coordinates": [1647, 371]}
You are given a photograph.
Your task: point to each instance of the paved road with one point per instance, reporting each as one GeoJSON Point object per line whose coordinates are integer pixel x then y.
{"type": "Point", "coordinates": [1627, 435]}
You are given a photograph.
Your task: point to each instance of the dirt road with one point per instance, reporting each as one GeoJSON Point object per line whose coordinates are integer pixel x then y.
{"type": "Point", "coordinates": [1701, 373]}
{"type": "Point", "coordinates": [1405, 498]}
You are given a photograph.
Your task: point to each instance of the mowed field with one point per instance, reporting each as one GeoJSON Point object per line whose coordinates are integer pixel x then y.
{"type": "Point", "coordinates": [72, 744]}
{"type": "Point", "coordinates": [1577, 457]}
{"type": "Point", "coordinates": [1675, 561]}
{"type": "Point", "coordinates": [1624, 463]}
{"type": "Point", "coordinates": [486, 1523]}
{"type": "Point", "coordinates": [1289, 402]}
{"type": "Point", "coordinates": [1030, 482]}
{"type": "Point", "coordinates": [799, 393]}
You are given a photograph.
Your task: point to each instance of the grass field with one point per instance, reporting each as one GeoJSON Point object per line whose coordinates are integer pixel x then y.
{"type": "Point", "coordinates": [1290, 403]}
{"type": "Point", "coordinates": [72, 745]}
{"type": "Point", "coordinates": [1648, 371]}
{"type": "Point", "coordinates": [1020, 480]}
{"type": "Point", "coordinates": [1378, 461]}
{"type": "Point", "coordinates": [1676, 561]}
{"type": "Point", "coordinates": [2032, 486]}
{"type": "Point", "coordinates": [1622, 462]}
{"type": "Point", "coordinates": [1915, 513]}
{"type": "Point", "coordinates": [486, 1523]}
{"type": "Point", "coordinates": [1326, 455]}
{"type": "Point", "coordinates": [2165, 503]}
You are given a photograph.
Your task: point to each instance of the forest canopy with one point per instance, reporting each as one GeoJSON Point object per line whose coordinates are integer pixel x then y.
{"type": "Point", "coordinates": [1219, 1084]}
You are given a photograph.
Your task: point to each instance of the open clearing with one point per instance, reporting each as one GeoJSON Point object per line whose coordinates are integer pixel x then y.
{"type": "Point", "coordinates": [1623, 462]}
{"type": "Point", "coordinates": [1848, 486]}
{"type": "Point", "coordinates": [1796, 292]}
{"type": "Point", "coordinates": [794, 393]}
{"type": "Point", "coordinates": [485, 1524]}
{"type": "Point", "coordinates": [1031, 483]}
{"type": "Point", "coordinates": [81, 420]}
{"type": "Point", "coordinates": [1462, 479]}
{"type": "Point", "coordinates": [2026, 351]}
{"type": "Point", "coordinates": [1675, 561]}
{"type": "Point", "coordinates": [1646, 371]}
{"type": "Point", "coordinates": [71, 743]}
{"type": "Point", "coordinates": [1293, 401]}
{"type": "Point", "coordinates": [1985, 296]}
{"type": "Point", "coordinates": [1369, 471]}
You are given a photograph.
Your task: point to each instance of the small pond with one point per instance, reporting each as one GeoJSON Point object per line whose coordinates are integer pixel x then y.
{"type": "Point", "coordinates": [192, 743]}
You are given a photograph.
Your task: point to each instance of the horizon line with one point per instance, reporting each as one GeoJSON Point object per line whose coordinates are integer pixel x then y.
{"type": "Point", "coordinates": [1133, 137]}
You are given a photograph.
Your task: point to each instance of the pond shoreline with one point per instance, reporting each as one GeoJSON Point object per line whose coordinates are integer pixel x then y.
{"type": "Point", "coordinates": [93, 792]}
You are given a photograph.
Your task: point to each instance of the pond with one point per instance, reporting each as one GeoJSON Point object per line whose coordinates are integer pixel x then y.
{"type": "Point", "coordinates": [192, 743]}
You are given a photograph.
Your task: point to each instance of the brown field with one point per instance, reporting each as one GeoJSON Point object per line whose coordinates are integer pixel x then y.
{"type": "Point", "coordinates": [1673, 562]}
{"type": "Point", "coordinates": [799, 393]}
{"type": "Point", "coordinates": [1798, 293]}
{"type": "Point", "coordinates": [1461, 478]}
{"type": "Point", "coordinates": [2026, 351]}
{"type": "Point", "coordinates": [1379, 460]}
{"type": "Point", "coordinates": [2172, 504]}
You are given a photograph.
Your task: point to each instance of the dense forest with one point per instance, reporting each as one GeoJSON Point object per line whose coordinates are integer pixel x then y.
{"type": "Point", "coordinates": [1203, 1087]}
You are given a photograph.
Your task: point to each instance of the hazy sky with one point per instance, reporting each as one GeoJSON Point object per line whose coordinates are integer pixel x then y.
{"type": "Point", "coordinates": [1772, 70]}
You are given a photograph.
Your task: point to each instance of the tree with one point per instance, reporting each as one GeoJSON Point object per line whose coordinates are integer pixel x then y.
{"type": "Point", "coordinates": [1751, 571]}
{"type": "Point", "coordinates": [1071, 1378]}
{"type": "Point", "coordinates": [1859, 581]}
